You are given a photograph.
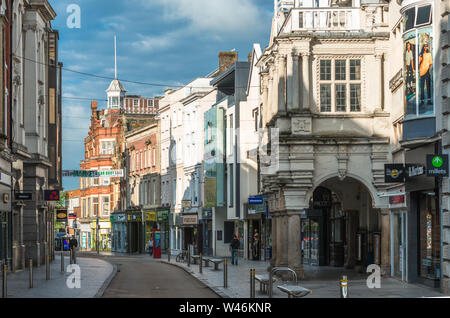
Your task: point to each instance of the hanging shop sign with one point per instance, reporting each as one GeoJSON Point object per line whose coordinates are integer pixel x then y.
{"type": "Point", "coordinates": [162, 216]}
{"type": "Point", "coordinates": [51, 195]}
{"type": "Point", "coordinates": [118, 217]}
{"type": "Point", "coordinates": [23, 196]}
{"type": "Point", "coordinates": [256, 200]}
{"type": "Point", "coordinates": [93, 173]}
{"type": "Point", "coordinates": [207, 214]}
{"type": "Point", "coordinates": [394, 173]}
{"type": "Point", "coordinates": [191, 219]}
{"type": "Point", "coordinates": [437, 166]}
{"type": "Point", "coordinates": [186, 203]}
{"type": "Point", "coordinates": [413, 170]}
{"type": "Point", "coordinates": [61, 215]}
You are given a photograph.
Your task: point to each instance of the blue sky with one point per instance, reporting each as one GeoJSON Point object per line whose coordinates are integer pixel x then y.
{"type": "Point", "coordinates": [170, 42]}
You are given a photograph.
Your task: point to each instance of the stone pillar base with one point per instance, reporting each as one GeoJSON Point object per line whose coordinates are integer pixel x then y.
{"type": "Point", "coordinates": [33, 251]}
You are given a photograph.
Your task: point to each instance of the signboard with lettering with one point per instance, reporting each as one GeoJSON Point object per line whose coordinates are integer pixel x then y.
{"type": "Point", "coordinates": [437, 166]}
{"type": "Point", "coordinates": [23, 196]}
{"type": "Point", "coordinates": [186, 203]}
{"type": "Point", "coordinates": [207, 214]}
{"type": "Point", "coordinates": [93, 173]}
{"type": "Point", "coordinates": [255, 200]}
{"type": "Point", "coordinates": [413, 170]}
{"type": "Point", "coordinates": [394, 173]}
{"type": "Point", "coordinates": [61, 215]}
{"type": "Point", "coordinates": [191, 219]}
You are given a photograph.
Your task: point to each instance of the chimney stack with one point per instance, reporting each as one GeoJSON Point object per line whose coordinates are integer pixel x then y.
{"type": "Point", "coordinates": [226, 59]}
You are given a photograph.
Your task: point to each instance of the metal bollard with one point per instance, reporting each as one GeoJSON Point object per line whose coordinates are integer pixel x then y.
{"type": "Point", "coordinates": [225, 274]}
{"type": "Point", "coordinates": [168, 255]}
{"type": "Point", "coordinates": [47, 267]}
{"type": "Point", "coordinates": [252, 283]}
{"type": "Point", "coordinates": [71, 256]}
{"type": "Point", "coordinates": [62, 262]}
{"type": "Point", "coordinates": [30, 265]}
{"type": "Point", "coordinates": [5, 281]}
{"type": "Point", "coordinates": [344, 287]}
{"type": "Point", "coordinates": [200, 266]}
{"type": "Point", "coordinates": [74, 254]}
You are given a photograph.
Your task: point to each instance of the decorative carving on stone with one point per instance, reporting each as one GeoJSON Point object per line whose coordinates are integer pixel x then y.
{"type": "Point", "coordinates": [326, 149]}
{"type": "Point", "coordinates": [302, 149]}
{"type": "Point", "coordinates": [301, 126]}
{"type": "Point", "coordinates": [396, 81]}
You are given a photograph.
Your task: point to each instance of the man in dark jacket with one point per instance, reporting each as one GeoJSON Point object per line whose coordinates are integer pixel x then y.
{"type": "Point", "coordinates": [235, 244]}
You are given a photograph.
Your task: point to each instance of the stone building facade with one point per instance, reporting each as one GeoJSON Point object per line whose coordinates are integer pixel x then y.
{"type": "Point", "coordinates": [36, 127]}
{"type": "Point", "coordinates": [322, 81]}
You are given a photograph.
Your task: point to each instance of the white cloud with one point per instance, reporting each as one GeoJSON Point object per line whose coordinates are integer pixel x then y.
{"type": "Point", "coordinates": [219, 17]}
{"type": "Point", "coordinates": [155, 43]}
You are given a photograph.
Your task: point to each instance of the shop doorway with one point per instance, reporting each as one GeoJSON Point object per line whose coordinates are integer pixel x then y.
{"type": "Point", "coordinates": [310, 241]}
{"type": "Point", "coordinates": [399, 245]}
{"type": "Point", "coordinates": [254, 240]}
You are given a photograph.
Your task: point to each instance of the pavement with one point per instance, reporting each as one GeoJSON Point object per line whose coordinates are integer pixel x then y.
{"type": "Point", "coordinates": [322, 281]}
{"type": "Point", "coordinates": [95, 276]}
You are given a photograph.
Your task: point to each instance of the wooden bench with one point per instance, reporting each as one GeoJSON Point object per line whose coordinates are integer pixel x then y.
{"type": "Point", "coordinates": [263, 280]}
{"type": "Point", "coordinates": [294, 291]}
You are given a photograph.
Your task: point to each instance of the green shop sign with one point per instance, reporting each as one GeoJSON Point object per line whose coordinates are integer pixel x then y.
{"type": "Point", "coordinates": [437, 166]}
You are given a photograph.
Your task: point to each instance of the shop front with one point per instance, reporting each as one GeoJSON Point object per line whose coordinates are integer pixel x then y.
{"type": "Point", "coordinates": [259, 230]}
{"type": "Point", "coordinates": [399, 233]}
{"type": "Point", "coordinates": [423, 226]}
{"type": "Point", "coordinates": [162, 218]}
{"type": "Point", "coordinates": [205, 226]}
{"type": "Point", "coordinates": [190, 233]}
{"type": "Point", "coordinates": [150, 226]}
{"type": "Point", "coordinates": [101, 234]}
{"type": "Point", "coordinates": [119, 232]}
{"type": "Point", "coordinates": [86, 236]}
{"type": "Point", "coordinates": [135, 231]}
{"type": "Point", "coordinates": [176, 233]}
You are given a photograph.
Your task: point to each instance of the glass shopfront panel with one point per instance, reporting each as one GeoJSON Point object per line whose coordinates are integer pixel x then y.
{"type": "Point", "coordinates": [310, 241]}
{"type": "Point", "coordinates": [398, 245]}
{"type": "Point", "coordinates": [430, 234]}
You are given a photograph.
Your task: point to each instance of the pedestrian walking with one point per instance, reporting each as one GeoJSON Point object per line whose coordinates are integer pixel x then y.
{"type": "Point", "coordinates": [235, 244]}
{"type": "Point", "coordinates": [150, 247]}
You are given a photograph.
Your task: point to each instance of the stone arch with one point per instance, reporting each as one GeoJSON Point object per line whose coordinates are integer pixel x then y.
{"type": "Point", "coordinates": [376, 200]}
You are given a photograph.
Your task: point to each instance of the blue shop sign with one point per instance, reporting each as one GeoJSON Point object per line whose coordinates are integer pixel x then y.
{"type": "Point", "coordinates": [207, 214]}
{"type": "Point", "coordinates": [256, 200]}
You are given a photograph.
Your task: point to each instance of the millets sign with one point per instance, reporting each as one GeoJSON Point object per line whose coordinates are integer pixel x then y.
{"type": "Point", "coordinates": [437, 166]}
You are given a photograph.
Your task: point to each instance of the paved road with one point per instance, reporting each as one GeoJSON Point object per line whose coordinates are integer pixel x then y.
{"type": "Point", "coordinates": [139, 277]}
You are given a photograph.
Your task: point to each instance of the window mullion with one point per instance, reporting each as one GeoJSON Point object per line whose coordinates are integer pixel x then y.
{"type": "Point", "coordinates": [347, 80]}
{"type": "Point", "coordinates": [333, 86]}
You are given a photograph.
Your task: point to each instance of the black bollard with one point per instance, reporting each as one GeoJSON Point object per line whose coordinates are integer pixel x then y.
{"type": "Point", "coordinates": [30, 265]}
{"type": "Point", "coordinates": [225, 274]}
